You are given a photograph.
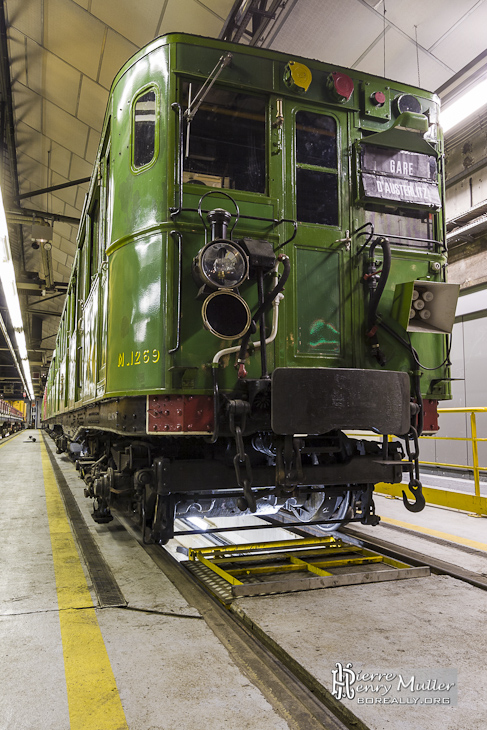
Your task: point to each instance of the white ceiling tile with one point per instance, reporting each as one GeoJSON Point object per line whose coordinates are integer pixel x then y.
{"type": "Point", "coordinates": [79, 168]}
{"type": "Point", "coordinates": [126, 18]}
{"type": "Point", "coordinates": [54, 205]}
{"type": "Point", "coordinates": [80, 197]}
{"type": "Point", "coordinates": [73, 212]}
{"type": "Point", "coordinates": [59, 82]}
{"type": "Point", "coordinates": [59, 158]}
{"type": "Point", "coordinates": [473, 31]}
{"type": "Point", "coordinates": [401, 63]}
{"type": "Point", "coordinates": [432, 19]}
{"type": "Point", "coordinates": [59, 255]}
{"type": "Point", "coordinates": [63, 272]}
{"type": "Point", "coordinates": [67, 195]}
{"type": "Point", "coordinates": [16, 52]}
{"type": "Point", "coordinates": [92, 103]}
{"type": "Point", "coordinates": [65, 230]}
{"type": "Point", "coordinates": [33, 64]}
{"type": "Point", "coordinates": [66, 244]}
{"type": "Point", "coordinates": [221, 8]}
{"type": "Point", "coordinates": [92, 147]}
{"type": "Point", "coordinates": [195, 19]}
{"type": "Point", "coordinates": [64, 128]}
{"type": "Point", "coordinates": [28, 106]}
{"type": "Point", "coordinates": [117, 51]}
{"type": "Point", "coordinates": [26, 16]}
{"type": "Point", "coordinates": [32, 175]}
{"type": "Point", "coordinates": [74, 35]}
{"type": "Point", "coordinates": [316, 30]}
{"type": "Point", "coordinates": [44, 150]}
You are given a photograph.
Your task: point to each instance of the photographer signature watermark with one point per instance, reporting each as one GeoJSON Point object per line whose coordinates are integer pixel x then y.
{"type": "Point", "coordinates": [412, 687]}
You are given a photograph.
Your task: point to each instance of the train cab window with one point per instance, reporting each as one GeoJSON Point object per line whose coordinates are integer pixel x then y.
{"type": "Point", "coordinates": [144, 129]}
{"type": "Point", "coordinates": [316, 169]}
{"type": "Point", "coordinates": [225, 140]}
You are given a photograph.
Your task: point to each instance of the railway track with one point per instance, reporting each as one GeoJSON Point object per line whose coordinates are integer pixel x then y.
{"type": "Point", "coordinates": [389, 549]}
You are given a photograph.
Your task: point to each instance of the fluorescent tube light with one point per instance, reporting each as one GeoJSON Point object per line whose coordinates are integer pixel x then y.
{"type": "Point", "coordinates": [198, 522]}
{"type": "Point", "coordinates": [9, 284]}
{"type": "Point", "coordinates": [463, 107]}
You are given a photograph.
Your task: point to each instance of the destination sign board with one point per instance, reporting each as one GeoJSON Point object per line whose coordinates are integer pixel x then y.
{"type": "Point", "coordinates": [400, 176]}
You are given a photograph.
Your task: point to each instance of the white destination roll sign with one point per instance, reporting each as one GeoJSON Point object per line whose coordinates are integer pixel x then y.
{"type": "Point", "coordinates": [399, 175]}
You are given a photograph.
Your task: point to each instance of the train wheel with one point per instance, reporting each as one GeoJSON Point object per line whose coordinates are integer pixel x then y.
{"type": "Point", "coordinates": [334, 508]}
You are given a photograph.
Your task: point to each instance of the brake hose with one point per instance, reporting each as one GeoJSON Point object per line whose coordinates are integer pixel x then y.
{"type": "Point", "coordinates": [376, 292]}
{"type": "Point", "coordinates": [264, 306]}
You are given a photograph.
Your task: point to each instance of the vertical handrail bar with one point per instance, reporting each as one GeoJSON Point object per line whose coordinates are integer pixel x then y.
{"type": "Point", "coordinates": [475, 459]}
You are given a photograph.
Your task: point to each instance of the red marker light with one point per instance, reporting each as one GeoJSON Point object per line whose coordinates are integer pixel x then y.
{"type": "Point", "coordinates": [378, 98]}
{"type": "Point", "coordinates": [341, 85]}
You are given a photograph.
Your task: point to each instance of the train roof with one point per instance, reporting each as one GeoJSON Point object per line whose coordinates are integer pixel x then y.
{"type": "Point", "coordinates": [197, 40]}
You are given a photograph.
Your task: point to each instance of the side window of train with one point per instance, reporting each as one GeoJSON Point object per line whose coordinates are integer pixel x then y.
{"type": "Point", "coordinates": [224, 144]}
{"type": "Point", "coordinates": [316, 169]}
{"type": "Point", "coordinates": [94, 240]}
{"type": "Point", "coordinates": [145, 127]}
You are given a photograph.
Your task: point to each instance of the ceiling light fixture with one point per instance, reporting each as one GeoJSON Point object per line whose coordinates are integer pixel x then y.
{"type": "Point", "coordinates": [464, 106]}
{"type": "Point", "coordinates": [9, 284]}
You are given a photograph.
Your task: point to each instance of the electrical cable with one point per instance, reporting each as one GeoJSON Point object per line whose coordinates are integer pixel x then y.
{"type": "Point", "coordinates": [407, 344]}
{"type": "Point", "coordinates": [264, 306]}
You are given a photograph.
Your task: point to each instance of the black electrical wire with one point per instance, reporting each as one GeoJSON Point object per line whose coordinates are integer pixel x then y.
{"type": "Point", "coordinates": [407, 344]}
{"type": "Point", "coordinates": [384, 274]}
{"type": "Point", "coordinates": [376, 289]}
{"type": "Point", "coordinates": [446, 361]}
{"type": "Point", "coordinates": [265, 305]}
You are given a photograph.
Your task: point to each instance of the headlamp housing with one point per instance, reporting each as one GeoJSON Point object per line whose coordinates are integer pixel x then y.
{"type": "Point", "coordinates": [221, 264]}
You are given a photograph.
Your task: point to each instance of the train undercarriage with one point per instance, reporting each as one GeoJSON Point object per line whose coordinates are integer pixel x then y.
{"type": "Point", "coordinates": [330, 478]}
{"type": "Point", "coordinates": [255, 459]}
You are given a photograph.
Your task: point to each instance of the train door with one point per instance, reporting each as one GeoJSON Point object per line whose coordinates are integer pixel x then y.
{"type": "Point", "coordinates": [90, 255]}
{"type": "Point", "coordinates": [79, 308]}
{"type": "Point", "coordinates": [105, 236]}
{"type": "Point", "coordinates": [72, 343]}
{"type": "Point", "coordinates": [316, 175]}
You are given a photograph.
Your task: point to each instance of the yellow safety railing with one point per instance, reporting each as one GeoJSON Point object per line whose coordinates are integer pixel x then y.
{"type": "Point", "coordinates": [473, 503]}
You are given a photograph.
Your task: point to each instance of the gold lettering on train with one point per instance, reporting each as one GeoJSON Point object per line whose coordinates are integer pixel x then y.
{"type": "Point", "coordinates": [138, 357]}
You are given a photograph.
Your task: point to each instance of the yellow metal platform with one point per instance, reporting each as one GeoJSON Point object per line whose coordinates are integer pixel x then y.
{"type": "Point", "coordinates": [292, 565]}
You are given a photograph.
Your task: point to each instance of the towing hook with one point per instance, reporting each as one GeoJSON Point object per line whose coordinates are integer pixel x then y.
{"type": "Point", "coordinates": [415, 487]}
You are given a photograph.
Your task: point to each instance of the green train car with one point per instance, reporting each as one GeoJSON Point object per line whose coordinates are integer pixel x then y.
{"type": "Point", "coordinates": [260, 272]}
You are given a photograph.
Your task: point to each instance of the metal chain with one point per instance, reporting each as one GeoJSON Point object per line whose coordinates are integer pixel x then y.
{"type": "Point", "coordinates": [241, 462]}
{"type": "Point", "coordinates": [415, 486]}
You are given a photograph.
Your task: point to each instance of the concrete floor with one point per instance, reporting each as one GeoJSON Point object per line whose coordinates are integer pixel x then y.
{"type": "Point", "coordinates": [171, 671]}
{"type": "Point", "coordinates": [462, 538]}
{"type": "Point", "coordinates": [433, 624]}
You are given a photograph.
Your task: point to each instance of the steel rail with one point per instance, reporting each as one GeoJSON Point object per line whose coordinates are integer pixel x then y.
{"type": "Point", "coordinates": [391, 550]}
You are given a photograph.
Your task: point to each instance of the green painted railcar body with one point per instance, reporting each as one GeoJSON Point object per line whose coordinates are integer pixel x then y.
{"type": "Point", "coordinates": [329, 179]}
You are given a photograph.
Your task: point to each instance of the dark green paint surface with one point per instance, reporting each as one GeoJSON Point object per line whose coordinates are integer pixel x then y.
{"type": "Point", "coordinates": [120, 320]}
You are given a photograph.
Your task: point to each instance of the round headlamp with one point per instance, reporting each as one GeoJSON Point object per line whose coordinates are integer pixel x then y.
{"type": "Point", "coordinates": [221, 264]}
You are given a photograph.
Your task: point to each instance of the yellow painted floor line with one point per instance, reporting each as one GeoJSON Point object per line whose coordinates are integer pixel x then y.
{"type": "Point", "coordinates": [93, 699]}
{"type": "Point", "coordinates": [436, 533]}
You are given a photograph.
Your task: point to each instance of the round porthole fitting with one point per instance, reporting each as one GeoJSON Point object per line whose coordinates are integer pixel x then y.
{"type": "Point", "coordinates": [226, 315]}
